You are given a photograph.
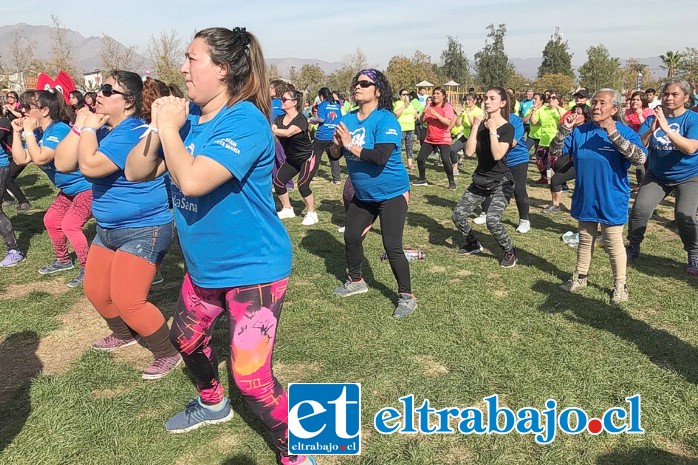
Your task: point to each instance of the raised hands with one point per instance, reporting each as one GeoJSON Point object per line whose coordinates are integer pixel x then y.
{"type": "Point", "coordinates": [171, 112]}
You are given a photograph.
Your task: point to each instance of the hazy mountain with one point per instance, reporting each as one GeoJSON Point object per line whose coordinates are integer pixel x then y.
{"type": "Point", "coordinates": [528, 67]}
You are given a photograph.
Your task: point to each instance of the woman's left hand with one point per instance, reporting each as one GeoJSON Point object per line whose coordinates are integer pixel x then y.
{"type": "Point", "coordinates": [661, 120]}
{"type": "Point", "coordinates": [172, 112]}
{"type": "Point", "coordinates": [95, 120]}
{"type": "Point", "coordinates": [29, 123]}
{"type": "Point", "coordinates": [343, 132]}
{"type": "Point", "coordinates": [491, 124]}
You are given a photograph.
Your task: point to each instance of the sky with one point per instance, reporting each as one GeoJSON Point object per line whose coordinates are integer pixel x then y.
{"type": "Point", "coordinates": [331, 30]}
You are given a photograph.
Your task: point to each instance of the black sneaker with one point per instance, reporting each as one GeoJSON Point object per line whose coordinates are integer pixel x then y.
{"type": "Point", "coordinates": [551, 209]}
{"type": "Point", "coordinates": [420, 182]}
{"type": "Point", "coordinates": [471, 248]}
{"type": "Point", "coordinates": [509, 259]}
{"type": "Point", "coordinates": [452, 186]}
{"type": "Point", "coordinates": [633, 252]}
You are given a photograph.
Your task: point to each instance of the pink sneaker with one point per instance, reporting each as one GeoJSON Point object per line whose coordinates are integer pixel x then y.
{"type": "Point", "coordinates": [111, 342]}
{"type": "Point", "coordinates": [162, 367]}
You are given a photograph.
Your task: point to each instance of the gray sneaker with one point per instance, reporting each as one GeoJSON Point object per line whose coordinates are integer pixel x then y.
{"type": "Point", "coordinates": [620, 294]}
{"type": "Point", "coordinates": [351, 288]}
{"type": "Point", "coordinates": [406, 304]}
{"type": "Point", "coordinates": [551, 209]}
{"type": "Point", "coordinates": [574, 284]}
{"type": "Point", "coordinates": [77, 281]}
{"type": "Point", "coordinates": [56, 266]}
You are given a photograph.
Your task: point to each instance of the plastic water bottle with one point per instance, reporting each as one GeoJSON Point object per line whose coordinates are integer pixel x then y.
{"type": "Point", "coordinates": [571, 238]}
{"type": "Point", "coordinates": [410, 254]}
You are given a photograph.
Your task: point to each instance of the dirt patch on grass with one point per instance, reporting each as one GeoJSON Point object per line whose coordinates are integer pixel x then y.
{"type": "Point", "coordinates": [437, 269]}
{"type": "Point", "coordinates": [463, 273]}
{"type": "Point", "coordinates": [298, 372]}
{"type": "Point", "coordinates": [676, 448]}
{"type": "Point", "coordinates": [17, 291]}
{"type": "Point", "coordinates": [432, 367]}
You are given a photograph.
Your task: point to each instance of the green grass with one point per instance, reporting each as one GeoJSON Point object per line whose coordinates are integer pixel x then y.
{"type": "Point", "coordinates": [479, 330]}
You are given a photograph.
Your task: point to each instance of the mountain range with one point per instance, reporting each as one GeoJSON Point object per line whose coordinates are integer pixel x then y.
{"type": "Point", "coordinates": [86, 53]}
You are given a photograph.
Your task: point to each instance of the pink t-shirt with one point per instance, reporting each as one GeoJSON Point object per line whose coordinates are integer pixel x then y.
{"type": "Point", "coordinates": [632, 120]}
{"type": "Point", "coordinates": [438, 132]}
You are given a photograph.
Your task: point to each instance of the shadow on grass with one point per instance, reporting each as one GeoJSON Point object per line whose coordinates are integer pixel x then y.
{"type": "Point", "coordinates": [239, 459]}
{"type": "Point", "coordinates": [26, 226]}
{"type": "Point", "coordinates": [644, 456]}
{"type": "Point", "coordinates": [335, 208]}
{"type": "Point", "coordinates": [20, 365]}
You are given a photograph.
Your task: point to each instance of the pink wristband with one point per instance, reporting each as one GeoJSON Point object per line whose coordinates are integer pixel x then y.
{"type": "Point", "coordinates": [77, 130]}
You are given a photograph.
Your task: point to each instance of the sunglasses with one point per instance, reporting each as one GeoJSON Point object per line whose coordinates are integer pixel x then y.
{"type": "Point", "coordinates": [107, 90]}
{"type": "Point", "coordinates": [404, 95]}
{"type": "Point", "coordinates": [364, 84]}
{"type": "Point", "coordinates": [287, 99]}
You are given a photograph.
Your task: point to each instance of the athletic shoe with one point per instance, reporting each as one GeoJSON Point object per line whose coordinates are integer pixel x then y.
{"type": "Point", "coordinates": [24, 206]}
{"type": "Point", "coordinates": [56, 267]}
{"type": "Point", "coordinates": [162, 367]}
{"type": "Point", "coordinates": [310, 219]}
{"type": "Point", "coordinates": [564, 187]}
{"type": "Point", "coordinates": [341, 229]}
{"type": "Point", "coordinates": [420, 182]}
{"type": "Point", "coordinates": [471, 248]}
{"type": "Point", "coordinates": [509, 260]}
{"type": "Point", "coordinates": [158, 279]}
{"type": "Point", "coordinates": [620, 294]}
{"type": "Point", "coordinates": [632, 252]}
{"type": "Point", "coordinates": [301, 460]}
{"type": "Point", "coordinates": [456, 173]}
{"type": "Point", "coordinates": [551, 209]}
{"type": "Point", "coordinates": [351, 288]}
{"type": "Point", "coordinates": [196, 415]}
{"type": "Point", "coordinates": [541, 181]}
{"type": "Point", "coordinates": [574, 284]}
{"type": "Point", "coordinates": [524, 226]}
{"type": "Point", "coordinates": [14, 257]}
{"type": "Point", "coordinates": [111, 342]}
{"type": "Point", "coordinates": [77, 281]}
{"type": "Point", "coordinates": [692, 268]}
{"type": "Point", "coordinates": [336, 182]}
{"type": "Point", "coordinates": [286, 213]}
{"type": "Point", "coordinates": [406, 304]}
{"type": "Point", "coordinates": [482, 219]}
{"type": "Point", "coordinates": [452, 186]}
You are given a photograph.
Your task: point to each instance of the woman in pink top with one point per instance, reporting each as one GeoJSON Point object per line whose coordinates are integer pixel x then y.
{"type": "Point", "coordinates": [638, 112]}
{"type": "Point", "coordinates": [440, 118]}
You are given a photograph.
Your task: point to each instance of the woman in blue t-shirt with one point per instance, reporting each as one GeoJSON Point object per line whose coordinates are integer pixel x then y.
{"type": "Point", "coordinates": [672, 138]}
{"type": "Point", "coordinates": [329, 114]}
{"type": "Point", "coordinates": [602, 152]}
{"type": "Point", "coordinates": [369, 139]}
{"type": "Point", "coordinates": [134, 223]}
{"type": "Point", "coordinates": [222, 183]}
{"type": "Point", "coordinates": [44, 127]}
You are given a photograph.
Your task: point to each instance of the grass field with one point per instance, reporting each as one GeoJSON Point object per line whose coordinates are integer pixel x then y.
{"type": "Point", "coordinates": [479, 330]}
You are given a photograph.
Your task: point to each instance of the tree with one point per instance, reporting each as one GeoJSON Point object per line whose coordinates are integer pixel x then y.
{"type": "Point", "coordinates": [672, 61]}
{"type": "Point", "coordinates": [600, 70]}
{"type": "Point", "coordinates": [492, 63]}
{"type": "Point", "coordinates": [273, 71]}
{"type": "Point", "coordinates": [62, 56]}
{"type": "Point", "coordinates": [518, 82]}
{"type": "Point", "coordinates": [113, 55]}
{"type": "Point", "coordinates": [167, 54]}
{"type": "Point", "coordinates": [631, 69]}
{"type": "Point", "coordinates": [309, 79]}
{"type": "Point", "coordinates": [404, 72]}
{"type": "Point", "coordinates": [562, 84]}
{"type": "Point", "coordinates": [352, 63]}
{"type": "Point", "coordinates": [455, 63]}
{"type": "Point", "coordinates": [689, 66]}
{"type": "Point", "coordinates": [21, 53]}
{"type": "Point", "coordinates": [556, 57]}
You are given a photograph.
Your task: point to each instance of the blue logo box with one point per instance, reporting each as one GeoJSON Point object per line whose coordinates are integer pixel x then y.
{"type": "Point", "coordinates": [324, 418]}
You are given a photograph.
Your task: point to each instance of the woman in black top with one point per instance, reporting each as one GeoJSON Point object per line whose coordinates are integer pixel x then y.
{"type": "Point", "coordinates": [292, 132]}
{"type": "Point", "coordinates": [492, 179]}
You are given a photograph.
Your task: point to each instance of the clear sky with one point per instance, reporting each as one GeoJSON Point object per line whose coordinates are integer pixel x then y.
{"type": "Point", "coordinates": [381, 28]}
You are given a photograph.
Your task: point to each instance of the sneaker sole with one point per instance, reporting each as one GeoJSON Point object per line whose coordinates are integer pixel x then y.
{"type": "Point", "coordinates": [162, 375]}
{"type": "Point", "coordinates": [510, 266]}
{"type": "Point", "coordinates": [395, 315]}
{"type": "Point", "coordinates": [362, 291]}
{"type": "Point", "coordinates": [159, 281]}
{"type": "Point", "coordinates": [203, 423]}
{"type": "Point", "coordinates": [74, 285]}
{"type": "Point", "coordinates": [55, 271]}
{"type": "Point", "coordinates": [13, 264]}
{"type": "Point", "coordinates": [473, 252]}
{"type": "Point", "coordinates": [112, 349]}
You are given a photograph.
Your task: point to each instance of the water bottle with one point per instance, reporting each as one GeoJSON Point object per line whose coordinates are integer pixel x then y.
{"type": "Point", "coordinates": [571, 238]}
{"type": "Point", "coordinates": [410, 254]}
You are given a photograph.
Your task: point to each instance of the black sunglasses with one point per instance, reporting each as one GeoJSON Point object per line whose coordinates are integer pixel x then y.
{"type": "Point", "coordinates": [287, 99]}
{"type": "Point", "coordinates": [364, 84]}
{"type": "Point", "coordinates": [107, 90]}
{"type": "Point", "coordinates": [404, 95]}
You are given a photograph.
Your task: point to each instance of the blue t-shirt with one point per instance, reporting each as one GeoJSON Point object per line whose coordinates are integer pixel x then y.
{"type": "Point", "coordinates": [70, 183]}
{"type": "Point", "coordinates": [601, 188]}
{"type": "Point", "coordinates": [232, 236]}
{"type": "Point", "coordinates": [331, 113]}
{"type": "Point", "coordinates": [5, 141]}
{"type": "Point", "coordinates": [276, 108]}
{"type": "Point", "coordinates": [666, 162]}
{"type": "Point", "coordinates": [374, 183]}
{"type": "Point", "coordinates": [524, 106]}
{"type": "Point", "coordinates": [519, 153]}
{"type": "Point", "coordinates": [117, 202]}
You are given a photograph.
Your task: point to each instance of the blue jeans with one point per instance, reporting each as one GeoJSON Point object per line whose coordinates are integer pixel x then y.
{"type": "Point", "coordinates": [148, 242]}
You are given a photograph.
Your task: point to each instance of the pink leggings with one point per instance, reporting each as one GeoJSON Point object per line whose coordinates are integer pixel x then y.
{"type": "Point", "coordinates": [254, 315]}
{"type": "Point", "coordinates": [64, 220]}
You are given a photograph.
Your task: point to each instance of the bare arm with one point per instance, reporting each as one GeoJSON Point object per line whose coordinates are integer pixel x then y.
{"type": "Point", "coordinates": [143, 162]}
{"type": "Point", "coordinates": [19, 154]}
{"type": "Point", "coordinates": [66, 157]}
{"type": "Point", "coordinates": [288, 132]}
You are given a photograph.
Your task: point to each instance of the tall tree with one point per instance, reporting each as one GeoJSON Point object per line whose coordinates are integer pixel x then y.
{"type": "Point", "coordinates": [492, 63]}
{"type": "Point", "coordinates": [600, 70]}
{"type": "Point", "coordinates": [689, 66]}
{"type": "Point", "coordinates": [166, 53]}
{"type": "Point", "coordinates": [455, 63]}
{"type": "Point", "coordinates": [309, 79]}
{"type": "Point", "coordinates": [273, 71]}
{"type": "Point", "coordinates": [113, 55]}
{"type": "Point", "coordinates": [560, 83]}
{"type": "Point", "coordinates": [631, 69]}
{"type": "Point", "coordinates": [672, 61]}
{"type": "Point", "coordinates": [404, 72]}
{"type": "Point", "coordinates": [21, 53]}
{"type": "Point", "coordinates": [62, 52]}
{"type": "Point", "coordinates": [556, 57]}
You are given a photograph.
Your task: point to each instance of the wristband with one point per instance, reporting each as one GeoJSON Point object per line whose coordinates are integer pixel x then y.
{"type": "Point", "coordinates": [88, 129]}
{"type": "Point", "coordinates": [349, 145]}
{"type": "Point", "coordinates": [29, 133]}
{"type": "Point", "coordinates": [494, 134]}
{"type": "Point", "coordinates": [77, 130]}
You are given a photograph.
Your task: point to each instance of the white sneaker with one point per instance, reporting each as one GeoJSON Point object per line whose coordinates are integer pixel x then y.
{"type": "Point", "coordinates": [286, 213]}
{"type": "Point", "coordinates": [341, 229]}
{"type": "Point", "coordinates": [482, 219]}
{"type": "Point", "coordinates": [524, 226]}
{"type": "Point", "coordinates": [310, 219]}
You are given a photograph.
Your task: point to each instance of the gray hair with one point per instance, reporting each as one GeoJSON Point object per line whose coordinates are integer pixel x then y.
{"type": "Point", "coordinates": [617, 100]}
{"type": "Point", "coordinates": [685, 88]}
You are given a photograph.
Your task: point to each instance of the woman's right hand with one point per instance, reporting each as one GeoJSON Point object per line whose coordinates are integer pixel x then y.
{"type": "Point", "coordinates": [81, 116]}
{"type": "Point", "coordinates": [18, 124]}
{"type": "Point", "coordinates": [571, 120]}
{"type": "Point", "coordinates": [476, 122]}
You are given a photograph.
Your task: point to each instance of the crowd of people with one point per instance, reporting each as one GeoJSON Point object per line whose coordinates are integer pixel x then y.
{"type": "Point", "coordinates": [147, 163]}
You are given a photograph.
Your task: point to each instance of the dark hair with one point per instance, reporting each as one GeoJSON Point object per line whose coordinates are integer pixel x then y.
{"type": "Point", "coordinates": [585, 111]}
{"type": "Point", "coordinates": [81, 100]}
{"type": "Point", "coordinates": [93, 96]}
{"type": "Point", "coordinates": [650, 89]}
{"type": "Point", "coordinates": [153, 89]}
{"type": "Point", "coordinates": [175, 91]}
{"type": "Point", "coordinates": [239, 51]}
{"type": "Point", "coordinates": [297, 96]}
{"type": "Point", "coordinates": [413, 95]}
{"type": "Point", "coordinates": [542, 97]}
{"type": "Point", "coordinates": [13, 94]}
{"type": "Point", "coordinates": [505, 97]}
{"type": "Point", "coordinates": [52, 99]}
{"type": "Point", "coordinates": [326, 94]}
{"type": "Point", "coordinates": [470, 95]}
{"type": "Point", "coordinates": [643, 98]}
{"type": "Point", "coordinates": [279, 87]}
{"type": "Point", "coordinates": [133, 87]}
{"type": "Point", "coordinates": [385, 99]}
{"type": "Point", "coordinates": [442, 92]}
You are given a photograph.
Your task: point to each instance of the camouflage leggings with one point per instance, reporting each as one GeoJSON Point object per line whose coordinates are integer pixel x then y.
{"type": "Point", "coordinates": [499, 199]}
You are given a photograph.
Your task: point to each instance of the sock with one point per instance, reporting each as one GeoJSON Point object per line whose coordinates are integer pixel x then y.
{"type": "Point", "coordinates": [159, 343]}
{"type": "Point", "coordinates": [214, 407]}
{"type": "Point", "coordinates": [120, 329]}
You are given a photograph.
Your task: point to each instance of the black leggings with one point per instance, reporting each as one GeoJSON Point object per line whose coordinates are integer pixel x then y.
{"type": "Point", "coordinates": [12, 186]}
{"type": "Point", "coordinates": [6, 231]}
{"type": "Point", "coordinates": [322, 146]}
{"type": "Point", "coordinates": [360, 217]}
{"type": "Point", "coordinates": [425, 150]}
{"type": "Point", "coordinates": [520, 173]}
{"type": "Point", "coordinates": [289, 169]}
{"type": "Point", "coordinates": [457, 146]}
{"type": "Point", "coordinates": [564, 171]}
